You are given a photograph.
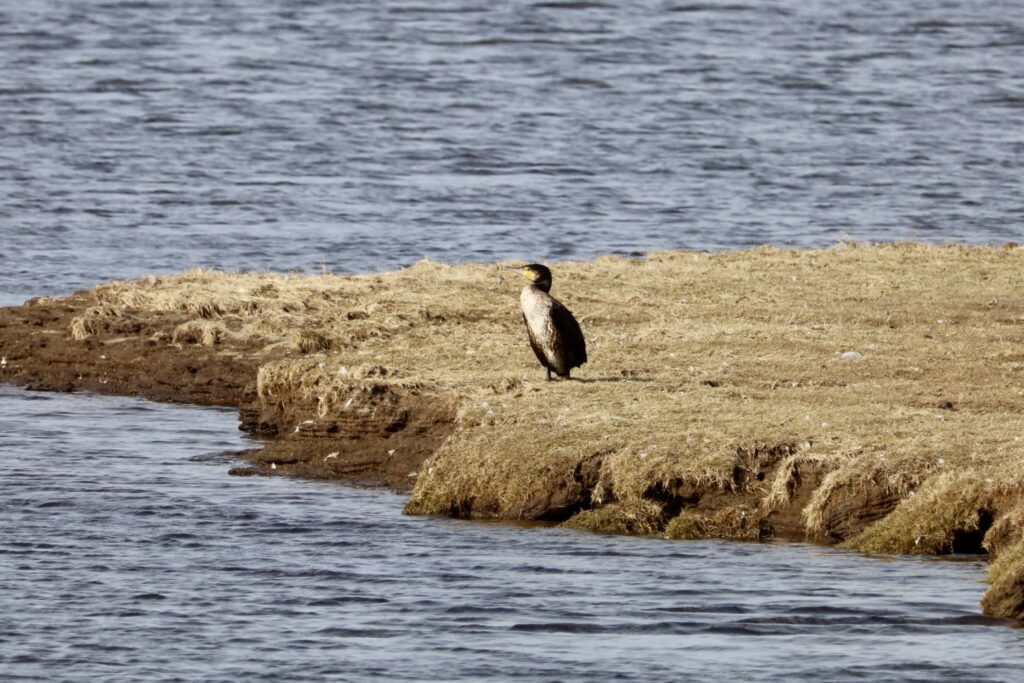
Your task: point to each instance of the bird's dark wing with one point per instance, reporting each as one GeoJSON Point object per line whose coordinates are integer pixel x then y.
{"type": "Point", "coordinates": [536, 347]}
{"type": "Point", "coordinates": [570, 335]}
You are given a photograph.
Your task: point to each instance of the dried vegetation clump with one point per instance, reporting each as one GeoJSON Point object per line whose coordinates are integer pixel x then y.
{"type": "Point", "coordinates": [204, 332]}
{"type": "Point", "coordinates": [310, 341]}
{"type": "Point", "coordinates": [873, 393]}
{"type": "Point", "coordinates": [94, 320]}
{"type": "Point", "coordinates": [734, 523]}
{"type": "Point", "coordinates": [635, 517]}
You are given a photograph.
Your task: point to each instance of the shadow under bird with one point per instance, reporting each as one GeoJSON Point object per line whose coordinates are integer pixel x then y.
{"type": "Point", "coordinates": [555, 335]}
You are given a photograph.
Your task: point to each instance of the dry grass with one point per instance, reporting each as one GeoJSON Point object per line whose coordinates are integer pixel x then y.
{"type": "Point", "coordinates": [946, 506]}
{"type": "Point", "coordinates": [94, 319]}
{"type": "Point", "coordinates": [310, 341]}
{"type": "Point", "coordinates": [634, 517]}
{"type": "Point", "coordinates": [332, 387]}
{"type": "Point", "coordinates": [898, 366]}
{"type": "Point", "coordinates": [204, 332]}
{"type": "Point", "coordinates": [1006, 596]}
{"type": "Point", "coordinates": [735, 523]}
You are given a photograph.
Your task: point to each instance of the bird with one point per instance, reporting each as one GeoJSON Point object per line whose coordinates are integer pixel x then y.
{"type": "Point", "coordinates": [555, 335]}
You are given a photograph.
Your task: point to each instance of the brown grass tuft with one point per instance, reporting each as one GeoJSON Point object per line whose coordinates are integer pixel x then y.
{"type": "Point", "coordinates": [637, 517]}
{"type": "Point", "coordinates": [947, 506]}
{"type": "Point", "coordinates": [310, 341]}
{"type": "Point", "coordinates": [739, 523]}
{"type": "Point", "coordinates": [1006, 574]}
{"type": "Point", "coordinates": [1007, 529]}
{"type": "Point", "coordinates": [204, 332]}
{"type": "Point", "coordinates": [82, 327]}
{"type": "Point", "coordinates": [93, 320]}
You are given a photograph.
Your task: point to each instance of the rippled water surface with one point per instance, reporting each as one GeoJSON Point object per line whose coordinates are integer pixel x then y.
{"type": "Point", "coordinates": [128, 554]}
{"type": "Point", "coordinates": [152, 136]}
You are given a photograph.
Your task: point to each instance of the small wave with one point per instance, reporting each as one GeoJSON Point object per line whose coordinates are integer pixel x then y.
{"type": "Point", "coordinates": [148, 597]}
{"type": "Point", "coordinates": [702, 7]}
{"type": "Point", "coordinates": [347, 600]}
{"type": "Point", "coordinates": [424, 9]}
{"type": "Point", "coordinates": [725, 165]}
{"type": "Point", "coordinates": [663, 627]}
{"type": "Point", "coordinates": [1010, 101]}
{"type": "Point", "coordinates": [495, 42]}
{"type": "Point", "coordinates": [585, 83]}
{"type": "Point", "coordinates": [342, 632]}
{"type": "Point", "coordinates": [64, 503]}
{"type": "Point", "coordinates": [124, 85]}
{"type": "Point", "coordinates": [131, 5]}
{"type": "Point", "coordinates": [928, 26]}
{"type": "Point", "coordinates": [568, 5]}
{"type": "Point", "coordinates": [177, 536]}
{"type": "Point", "coordinates": [858, 57]}
{"type": "Point", "coordinates": [561, 627]}
{"type": "Point", "coordinates": [800, 84]}
{"type": "Point", "coordinates": [216, 131]}
{"type": "Point", "coordinates": [704, 609]}
{"type": "Point", "coordinates": [42, 40]}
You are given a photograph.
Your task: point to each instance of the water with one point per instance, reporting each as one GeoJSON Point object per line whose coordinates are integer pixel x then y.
{"type": "Point", "coordinates": [127, 553]}
{"type": "Point", "coordinates": [153, 136]}
{"type": "Point", "coordinates": [144, 136]}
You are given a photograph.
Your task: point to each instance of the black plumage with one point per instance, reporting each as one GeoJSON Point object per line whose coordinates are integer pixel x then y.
{"type": "Point", "coordinates": [555, 336]}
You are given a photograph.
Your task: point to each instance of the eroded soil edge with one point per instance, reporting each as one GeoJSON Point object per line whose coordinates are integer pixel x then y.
{"type": "Point", "coordinates": [380, 440]}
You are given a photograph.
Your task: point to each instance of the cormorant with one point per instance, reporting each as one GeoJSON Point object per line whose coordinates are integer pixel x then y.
{"type": "Point", "coordinates": [555, 335]}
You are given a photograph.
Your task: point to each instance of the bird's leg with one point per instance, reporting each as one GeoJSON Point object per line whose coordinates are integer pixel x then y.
{"type": "Point", "coordinates": [549, 374]}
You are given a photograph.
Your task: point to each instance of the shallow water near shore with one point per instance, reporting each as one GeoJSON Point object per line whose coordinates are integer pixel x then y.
{"type": "Point", "coordinates": [128, 553]}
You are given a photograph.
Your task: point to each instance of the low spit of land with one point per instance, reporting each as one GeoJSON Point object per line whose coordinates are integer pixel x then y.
{"type": "Point", "coordinates": [866, 395]}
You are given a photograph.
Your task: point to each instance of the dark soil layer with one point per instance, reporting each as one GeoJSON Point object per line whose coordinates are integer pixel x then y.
{"type": "Point", "coordinates": [135, 358]}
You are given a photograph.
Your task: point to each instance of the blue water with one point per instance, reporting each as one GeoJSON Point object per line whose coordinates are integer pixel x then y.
{"type": "Point", "coordinates": [127, 554]}
{"type": "Point", "coordinates": [144, 136]}
{"type": "Point", "coordinates": [152, 136]}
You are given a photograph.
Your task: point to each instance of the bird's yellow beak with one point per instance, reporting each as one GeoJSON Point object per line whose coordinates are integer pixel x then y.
{"type": "Point", "coordinates": [528, 273]}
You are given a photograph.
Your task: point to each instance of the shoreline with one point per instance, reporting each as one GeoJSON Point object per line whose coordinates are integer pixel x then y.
{"type": "Point", "coordinates": [868, 396]}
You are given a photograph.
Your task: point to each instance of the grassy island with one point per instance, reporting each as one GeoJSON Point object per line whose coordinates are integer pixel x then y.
{"type": "Point", "coordinates": [866, 395]}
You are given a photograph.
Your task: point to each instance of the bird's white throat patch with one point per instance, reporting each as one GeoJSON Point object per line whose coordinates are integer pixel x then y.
{"type": "Point", "coordinates": [537, 310]}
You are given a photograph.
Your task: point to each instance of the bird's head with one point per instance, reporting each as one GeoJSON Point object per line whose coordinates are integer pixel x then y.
{"type": "Point", "coordinates": [538, 275]}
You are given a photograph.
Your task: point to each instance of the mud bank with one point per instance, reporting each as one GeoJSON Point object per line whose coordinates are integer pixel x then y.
{"type": "Point", "coordinates": [869, 396]}
{"type": "Point", "coordinates": [380, 441]}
